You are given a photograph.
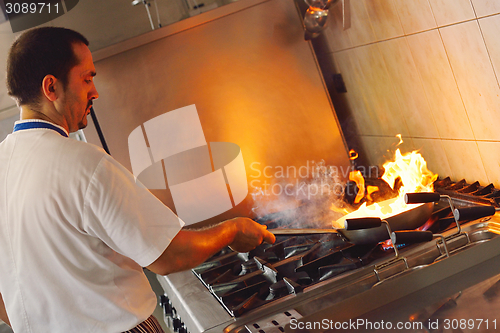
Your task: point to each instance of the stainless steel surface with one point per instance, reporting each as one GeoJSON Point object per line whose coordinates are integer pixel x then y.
{"type": "Point", "coordinates": [473, 263]}
{"type": "Point", "coordinates": [352, 293]}
{"type": "Point", "coordinates": [276, 325]}
{"type": "Point", "coordinates": [199, 310]}
{"type": "Point", "coordinates": [344, 298]}
{"type": "Point", "coordinates": [253, 78]}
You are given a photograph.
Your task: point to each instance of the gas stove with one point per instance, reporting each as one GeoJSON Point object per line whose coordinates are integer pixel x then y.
{"type": "Point", "coordinates": [311, 282]}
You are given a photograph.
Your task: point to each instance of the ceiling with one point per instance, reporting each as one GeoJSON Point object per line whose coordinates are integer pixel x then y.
{"type": "Point", "coordinates": [103, 23]}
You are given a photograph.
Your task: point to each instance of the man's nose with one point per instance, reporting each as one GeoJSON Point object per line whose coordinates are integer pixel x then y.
{"type": "Point", "coordinates": [93, 94]}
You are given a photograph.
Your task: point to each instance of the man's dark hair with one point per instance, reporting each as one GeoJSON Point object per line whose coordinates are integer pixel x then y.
{"type": "Point", "coordinates": [37, 53]}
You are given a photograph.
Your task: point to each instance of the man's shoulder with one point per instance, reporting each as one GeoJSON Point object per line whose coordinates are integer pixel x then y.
{"type": "Point", "coordinates": [84, 152]}
{"type": "Point", "coordinates": [81, 146]}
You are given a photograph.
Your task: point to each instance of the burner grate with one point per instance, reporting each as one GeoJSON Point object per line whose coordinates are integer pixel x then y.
{"type": "Point", "coordinates": [244, 282]}
{"type": "Point", "coordinates": [475, 193]}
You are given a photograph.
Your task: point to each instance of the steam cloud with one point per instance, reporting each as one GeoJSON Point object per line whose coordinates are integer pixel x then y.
{"type": "Point", "coordinates": [301, 202]}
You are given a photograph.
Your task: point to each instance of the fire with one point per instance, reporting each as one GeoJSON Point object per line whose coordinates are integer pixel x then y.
{"type": "Point", "coordinates": [400, 137]}
{"type": "Point", "coordinates": [353, 155]}
{"type": "Point", "coordinates": [370, 190]}
{"type": "Point", "coordinates": [341, 210]}
{"type": "Point", "coordinates": [357, 177]}
{"type": "Point", "coordinates": [411, 169]}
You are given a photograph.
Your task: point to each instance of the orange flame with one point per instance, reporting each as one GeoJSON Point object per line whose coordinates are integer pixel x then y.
{"type": "Point", "coordinates": [357, 177]}
{"type": "Point", "coordinates": [370, 190]}
{"type": "Point", "coordinates": [412, 169]}
{"type": "Point", "coordinates": [341, 210]}
{"type": "Point", "coordinates": [400, 139]}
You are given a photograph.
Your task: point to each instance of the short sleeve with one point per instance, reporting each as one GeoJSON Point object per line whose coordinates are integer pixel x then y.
{"type": "Point", "coordinates": [126, 216]}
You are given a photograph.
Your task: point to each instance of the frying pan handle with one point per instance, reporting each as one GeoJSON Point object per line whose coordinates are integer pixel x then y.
{"type": "Point", "coordinates": [411, 237]}
{"type": "Point", "coordinates": [422, 197]}
{"type": "Point", "coordinates": [362, 223]}
{"type": "Point", "coordinates": [473, 213]}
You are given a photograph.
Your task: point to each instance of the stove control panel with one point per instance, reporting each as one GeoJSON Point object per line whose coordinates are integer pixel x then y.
{"type": "Point", "coordinates": [170, 316]}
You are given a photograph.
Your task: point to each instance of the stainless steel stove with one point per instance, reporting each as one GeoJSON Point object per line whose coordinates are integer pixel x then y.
{"type": "Point", "coordinates": [321, 283]}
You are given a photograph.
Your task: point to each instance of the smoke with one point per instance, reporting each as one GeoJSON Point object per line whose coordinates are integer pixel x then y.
{"type": "Point", "coordinates": [301, 200]}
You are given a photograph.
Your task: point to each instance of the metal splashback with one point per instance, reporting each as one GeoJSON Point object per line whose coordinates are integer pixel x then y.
{"type": "Point", "coordinates": [251, 75]}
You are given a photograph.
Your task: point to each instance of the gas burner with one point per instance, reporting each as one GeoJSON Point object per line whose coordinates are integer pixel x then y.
{"type": "Point", "coordinates": [469, 193]}
{"type": "Point", "coordinates": [311, 277]}
{"type": "Point", "coordinates": [242, 282]}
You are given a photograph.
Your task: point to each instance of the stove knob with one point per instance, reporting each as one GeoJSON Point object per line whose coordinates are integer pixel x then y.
{"type": "Point", "coordinates": [163, 299]}
{"type": "Point", "coordinates": [166, 305]}
{"type": "Point", "coordinates": [168, 309]}
{"type": "Point", "coordinates": [176, 324]}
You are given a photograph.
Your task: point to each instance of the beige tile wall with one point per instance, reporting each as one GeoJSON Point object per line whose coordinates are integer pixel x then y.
{"type": "Point", "coordinates": [428, 69]}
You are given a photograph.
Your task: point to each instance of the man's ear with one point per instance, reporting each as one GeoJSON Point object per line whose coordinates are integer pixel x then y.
{"type": "Point", "coordinates": [49, 87]}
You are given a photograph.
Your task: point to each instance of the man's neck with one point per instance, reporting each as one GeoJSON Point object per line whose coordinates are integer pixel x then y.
{"type": "Point", "coordinates": [28, 113]}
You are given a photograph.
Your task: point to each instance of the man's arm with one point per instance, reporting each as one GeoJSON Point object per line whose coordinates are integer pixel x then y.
{"type": "Point", "coordinates": [189, 248]}
{"type": "Point", "coordinates": [3, 312]}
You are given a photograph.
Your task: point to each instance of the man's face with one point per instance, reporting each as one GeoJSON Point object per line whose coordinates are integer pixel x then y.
{"type": "Point", "coordinates": [80, 90]}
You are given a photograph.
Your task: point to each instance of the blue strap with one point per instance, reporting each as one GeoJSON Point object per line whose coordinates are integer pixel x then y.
{"type": "Point", "coordinates": [36, 124]}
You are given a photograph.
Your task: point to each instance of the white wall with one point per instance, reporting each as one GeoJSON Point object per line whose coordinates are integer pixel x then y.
{"type": "Point", "coordinates": [428, 69]}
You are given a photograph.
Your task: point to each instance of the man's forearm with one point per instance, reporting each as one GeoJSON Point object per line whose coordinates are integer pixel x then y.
{"type": "Point", "coordinates": [189, 248]}
{"type": "Point", "coordinates": [3, 312]}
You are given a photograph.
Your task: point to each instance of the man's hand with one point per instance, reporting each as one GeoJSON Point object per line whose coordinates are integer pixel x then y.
{"type": "Point", "coordinates": [249, 234]}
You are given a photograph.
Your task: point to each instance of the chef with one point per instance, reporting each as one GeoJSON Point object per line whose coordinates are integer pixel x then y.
{"type": "Point", "coordinates": [76, 229]}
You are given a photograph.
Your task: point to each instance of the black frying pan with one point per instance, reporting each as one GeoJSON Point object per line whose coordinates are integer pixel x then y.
{"type": "Point", "coordinates": [369, 230]}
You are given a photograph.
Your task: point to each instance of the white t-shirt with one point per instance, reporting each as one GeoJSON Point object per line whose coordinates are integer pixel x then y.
{"type": "Point", "coordinates": [75, 230]}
